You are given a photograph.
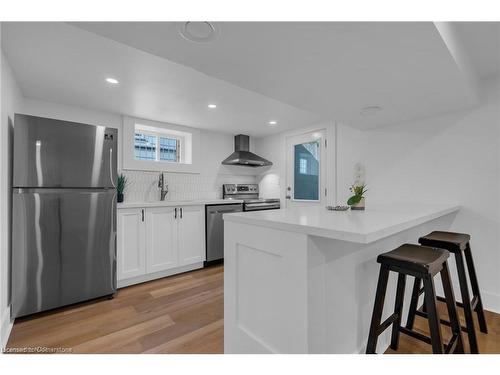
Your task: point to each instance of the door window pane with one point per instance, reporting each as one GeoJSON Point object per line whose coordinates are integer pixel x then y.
{"type": "Point", "coordinates": [169, 149]}
{"type": "Point", "coordinates": [145, 147]}
{"type": "Point", "coordinates": [306, 171]}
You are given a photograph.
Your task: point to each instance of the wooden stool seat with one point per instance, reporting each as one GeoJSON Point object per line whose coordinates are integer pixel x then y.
{"type": "Point", "coordinates": [450, 241]}
{"type": "Point", "coordinates": [459, 245]}
{"type": "Point", "coordinates": [423, 263]}
{"type": "Point", "coordinates": [417, 258]}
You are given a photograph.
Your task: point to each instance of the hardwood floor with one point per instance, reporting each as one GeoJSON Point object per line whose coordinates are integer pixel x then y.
{"type": "Point", "coordinates": [488, 343]}
{"type": "Point", "coordinates": [177, 314]}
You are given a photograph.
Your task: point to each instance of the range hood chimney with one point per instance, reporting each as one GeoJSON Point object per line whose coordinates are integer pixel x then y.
{"type": "Point", "coordinates": [242, 156]}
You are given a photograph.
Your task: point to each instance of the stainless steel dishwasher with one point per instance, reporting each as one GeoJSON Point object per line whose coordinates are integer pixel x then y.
{"type": "Point", "coordinates": [215, 229]}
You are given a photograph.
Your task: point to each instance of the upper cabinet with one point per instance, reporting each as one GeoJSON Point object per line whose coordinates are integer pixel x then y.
{"type": "Point", "coordinates": [158, 146]}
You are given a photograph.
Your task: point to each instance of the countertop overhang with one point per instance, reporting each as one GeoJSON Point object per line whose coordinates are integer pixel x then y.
{"type": "Point", "coordinates": [177, 203]}
{"type": "Point", "coordinates": [353, 226]}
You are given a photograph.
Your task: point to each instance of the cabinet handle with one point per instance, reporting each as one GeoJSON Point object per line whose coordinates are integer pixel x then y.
{"type": "Point", "coordinates": [175, 213]}
{"type": "Point", "coordinates": [181, 212]}
{"type": "Point", "coordinates": [142, 212]}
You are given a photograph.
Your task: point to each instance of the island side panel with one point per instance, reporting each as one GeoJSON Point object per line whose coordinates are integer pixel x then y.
{"type": "Point", "coordinates": [265, 290]}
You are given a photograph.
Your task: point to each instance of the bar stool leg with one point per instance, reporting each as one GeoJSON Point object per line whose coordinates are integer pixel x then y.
{"type": "Point", "coordinates": [371, 347]}
{"type": "Point", "coordinates": [452, 308]}
{"type": "Point", "coordinates": [464, 290]}
{"type": "Point", "coordinates": [415, 294]}
{"type": "Point", "coordinates": [398, 309]}
{"type": "Point", "coordinates": [433, 316]}
{"type": "Point", "coordinates": [475, 289]}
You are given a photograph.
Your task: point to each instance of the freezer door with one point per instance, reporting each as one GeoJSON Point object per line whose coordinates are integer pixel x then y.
{"type": "Point", "coordinates": [63, 247]}
{"type": "Point", "coordinates": [54, 153]}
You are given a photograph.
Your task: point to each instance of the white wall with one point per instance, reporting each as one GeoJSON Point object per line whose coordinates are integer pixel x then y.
{"type": "Point", "coordinates": [450, 159]}
{"type": "Point", "coordinates": [11, 97]}
{"type": "Point", "coordinates": [215, 147]}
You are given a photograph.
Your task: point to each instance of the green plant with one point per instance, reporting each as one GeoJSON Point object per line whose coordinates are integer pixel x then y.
{"type": "Point", "coordinates": [121, 184]}
{"type": "Point", "coordinates": [358, 191]}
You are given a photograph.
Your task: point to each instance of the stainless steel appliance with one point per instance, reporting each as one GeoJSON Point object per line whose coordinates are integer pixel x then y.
{"type": "Point", "coordinates": [64, 213]}
{"type": "Point", "coordinates": [242, 155]}
{"type": "Point", "coordinates": [249, 193]}
{"type": "Point", "coordinates": [215, 229]}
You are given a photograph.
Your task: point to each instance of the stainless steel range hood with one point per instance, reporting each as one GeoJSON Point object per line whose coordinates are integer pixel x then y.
{"type": "Point", "coordinates": [242, 156]}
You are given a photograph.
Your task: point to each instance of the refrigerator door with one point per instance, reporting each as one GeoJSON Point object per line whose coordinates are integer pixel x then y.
{"type": "Point", "coordinates": [54, 153]}
{"type": "Point", "coordinates": [63, 247]}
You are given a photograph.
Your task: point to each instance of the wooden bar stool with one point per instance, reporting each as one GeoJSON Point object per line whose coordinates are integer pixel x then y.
{"type": "Point", "coordinates": [424, 263]}
{"type": "Point", "coordinates": [458, 244]}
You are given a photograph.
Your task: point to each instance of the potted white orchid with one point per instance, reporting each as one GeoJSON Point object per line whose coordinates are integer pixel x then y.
{"type": "Point", "coordinates": [358, 188]}
{"type": "Point", "coordinates": [357, 201]}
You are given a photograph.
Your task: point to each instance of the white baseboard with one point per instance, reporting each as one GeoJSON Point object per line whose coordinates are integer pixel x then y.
{"type": "Point", "coordinates": [158, 275]}
{"type": "Point", "coordinates": [6, 327]}
{"type": "Point", "coordinates": [491, 301]}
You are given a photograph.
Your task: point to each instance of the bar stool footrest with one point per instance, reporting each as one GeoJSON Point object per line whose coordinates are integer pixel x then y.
{"type": "Point", "coordinates": [386, 323]}
{"type": "Point", "coordinates": [415, 334]}
{"type": "Point", "coordinates": [449, 348]}
{"type": "Point", "coordinates": [447, 323]}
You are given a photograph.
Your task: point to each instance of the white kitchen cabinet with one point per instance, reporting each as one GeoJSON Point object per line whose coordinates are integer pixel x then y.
{"type": "Point", "coordinates": [131, 243]}
{"type": "Point", "coordinates": [155, 242]}
{"type": "Point", "coordinates": [161, 239]}
{"type": "Point", "coordinates": [191, 234]}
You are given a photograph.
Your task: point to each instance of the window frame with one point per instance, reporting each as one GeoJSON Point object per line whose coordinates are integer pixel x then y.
{"type": "Point", "coordinates": [180, 140]}
{"type": "Point", "coordinates": [189, 146]}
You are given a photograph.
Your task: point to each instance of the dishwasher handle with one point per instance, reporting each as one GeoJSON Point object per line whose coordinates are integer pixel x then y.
{"type": "Point", "coordinates": [224, 209]}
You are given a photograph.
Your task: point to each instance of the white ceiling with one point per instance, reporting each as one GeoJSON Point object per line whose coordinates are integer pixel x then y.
{"type": "Point", "coordinates": [481, 40]}
{"type": "Point", "coordinates": [321, 70]}
{"type": "Point", "coordinates": [333, 68]}
{"type": "Point", "coordinates": [64, 64]}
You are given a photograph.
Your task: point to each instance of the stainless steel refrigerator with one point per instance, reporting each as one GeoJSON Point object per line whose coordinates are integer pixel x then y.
{"type": "Point", "coordinates": [63, 213]}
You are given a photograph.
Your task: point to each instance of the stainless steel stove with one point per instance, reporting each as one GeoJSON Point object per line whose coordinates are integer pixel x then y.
{"type": "Point", "coordinates": [249, 193]}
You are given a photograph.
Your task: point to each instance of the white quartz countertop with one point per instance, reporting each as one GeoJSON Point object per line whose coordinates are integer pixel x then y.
{"type": "Point", "coordinates": [353, 226]}
{"type": "Point", "coordinates": [177, 203]}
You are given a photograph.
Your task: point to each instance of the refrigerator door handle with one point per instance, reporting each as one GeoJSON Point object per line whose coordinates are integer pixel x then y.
{"type": "Point", "coordinates": [111, 167]}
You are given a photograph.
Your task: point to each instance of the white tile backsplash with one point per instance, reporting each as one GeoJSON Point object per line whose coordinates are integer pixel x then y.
{"type": "Point", "coordinates": [143, 185]}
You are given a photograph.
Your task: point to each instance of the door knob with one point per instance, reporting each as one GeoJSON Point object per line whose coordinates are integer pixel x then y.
{"type": "Point", "coordinates": [288, 197]}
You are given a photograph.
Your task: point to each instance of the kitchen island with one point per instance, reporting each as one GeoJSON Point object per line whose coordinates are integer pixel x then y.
{"type": "Point", "coordinates": [303, 280]}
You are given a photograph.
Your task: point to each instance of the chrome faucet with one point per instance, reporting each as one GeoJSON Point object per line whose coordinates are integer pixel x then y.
{"type": "Point", "coordinates": [163, 187]}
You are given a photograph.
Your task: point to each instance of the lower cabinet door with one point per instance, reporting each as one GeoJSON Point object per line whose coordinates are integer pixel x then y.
{"type": "Point", "coordinates": [161, 239]}
{"type": "Point", "coordinates": [191, 234]}
{"type": "Point", "coordinates": [131, 240]}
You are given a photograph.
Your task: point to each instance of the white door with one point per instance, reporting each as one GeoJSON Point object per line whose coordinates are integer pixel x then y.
{"type": "Point", "coordinates": [191, 234]}
{"type": "Point", "coordinates": [131, 243]}
{"type": "Point", "coordinates": [306, 169]}
{"type": "Point", "coordinates": [161, 239]}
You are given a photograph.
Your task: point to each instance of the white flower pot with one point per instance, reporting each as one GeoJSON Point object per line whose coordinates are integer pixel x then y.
{"type": "Point", "coordinates": [359, 206]}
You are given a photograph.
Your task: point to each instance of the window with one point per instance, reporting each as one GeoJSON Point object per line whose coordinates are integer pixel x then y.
{"type": "Point", "coordinates": [160, 146]}
{"type": "Point", "coordinates": [306, 173]}
{"type": "Point", "coordinates": [156, 144]}
{"type": "Point", "coordinates": [145, 146]}
{"type": "Point", "coordinates": [303, 166]}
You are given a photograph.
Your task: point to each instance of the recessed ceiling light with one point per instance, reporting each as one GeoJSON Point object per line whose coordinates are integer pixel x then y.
{"type": "Point", "coordinates": [273, 123]}
{"type": "Point", "coordinates": [370, 110]}
{"type": "Point", "coordinates": [199, 32]}
{"type": "Point", "coordinates": [212, 106]}
{"type": "Point", "coordinates": [112, 81]}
